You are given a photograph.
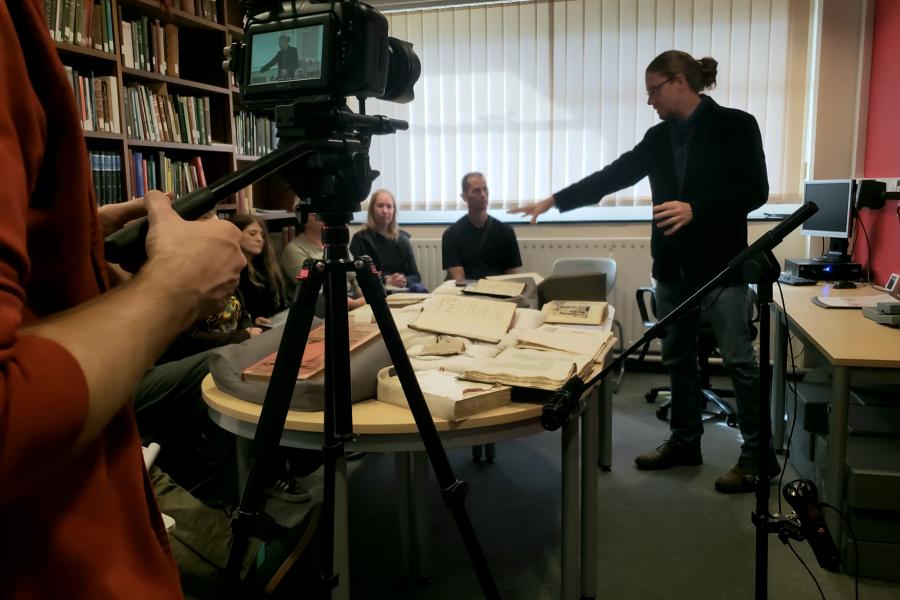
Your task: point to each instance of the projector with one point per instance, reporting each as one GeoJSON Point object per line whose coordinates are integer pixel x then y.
{"type": "Point", "coordinates": [823, 271]}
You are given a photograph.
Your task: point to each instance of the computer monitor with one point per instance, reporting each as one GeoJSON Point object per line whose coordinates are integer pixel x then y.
{"type": "Point", "coordinates": [834, 220]}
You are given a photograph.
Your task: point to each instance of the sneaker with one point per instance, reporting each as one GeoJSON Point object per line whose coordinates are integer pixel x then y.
{"type": "Point", "coordinates": [290, 563]}
{"type": "Point", "coordinates": [741, 478]}
{"type": "Point", "coordinates": [288, 489]}
{"type": "Point", "coordinates": [668, 455]}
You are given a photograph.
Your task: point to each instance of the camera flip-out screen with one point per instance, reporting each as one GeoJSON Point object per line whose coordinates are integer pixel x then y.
{"type": "Point", "coordinates": [287, 55]}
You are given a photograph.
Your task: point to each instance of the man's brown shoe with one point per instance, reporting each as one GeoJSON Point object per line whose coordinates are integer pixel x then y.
{"type": "Point", "coordinates": [669, 455]}
{"type": "Point", "coordinates": [741, 478]}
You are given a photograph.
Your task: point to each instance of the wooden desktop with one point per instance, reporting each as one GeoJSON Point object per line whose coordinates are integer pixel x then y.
{"type": "Point", "coordinates": [857, 349]}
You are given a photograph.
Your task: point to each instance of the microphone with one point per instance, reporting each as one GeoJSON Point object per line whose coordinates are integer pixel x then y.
{"type": "Point", "coordinates": [803, 496]}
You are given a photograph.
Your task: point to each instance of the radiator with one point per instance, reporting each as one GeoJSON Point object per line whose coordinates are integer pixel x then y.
{"type": "Point", "coordinates": [632, 256]}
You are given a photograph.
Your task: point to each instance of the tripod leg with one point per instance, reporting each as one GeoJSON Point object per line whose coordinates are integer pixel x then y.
{"type": "Point", "coordinates": [338, 428]}
{"type": "Point", "coordinates": [452, 489]}
{"type": "Point", "coordinates": [271, 421]}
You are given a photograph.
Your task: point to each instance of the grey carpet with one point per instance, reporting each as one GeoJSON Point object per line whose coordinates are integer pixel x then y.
{"type": "Point", "coordinates": [662, 534]}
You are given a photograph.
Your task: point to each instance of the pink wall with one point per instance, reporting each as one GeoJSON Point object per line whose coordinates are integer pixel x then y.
{"type": "Point", "coordinates": [883, 143]}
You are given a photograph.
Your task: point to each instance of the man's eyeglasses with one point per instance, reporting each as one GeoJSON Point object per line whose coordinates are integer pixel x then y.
{"type": "Point", "coordinates": [651, 91]}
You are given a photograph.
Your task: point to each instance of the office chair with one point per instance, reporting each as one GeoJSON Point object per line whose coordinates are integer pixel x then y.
{"type": "Point", "coordinates": [706, 345]}
{"type": "Point", "coordinates": [596, 264]}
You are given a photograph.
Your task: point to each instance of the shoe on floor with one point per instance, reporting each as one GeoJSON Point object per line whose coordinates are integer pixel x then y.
{"type": "Point", "coordinates": [290, 563]}
{"type": "Point", "coordinates": [741, 478]}
{"type": "Point", "coordinates": [668, 455]}
{"type": "Point", "coordinates": [288, 489]}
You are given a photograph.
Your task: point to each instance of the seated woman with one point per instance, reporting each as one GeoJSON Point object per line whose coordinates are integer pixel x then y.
{"type": "Point", "coordinates": [262, 288]}
{"type": "Point", "coordinates": [389, 247]}
{"type": "Point", "coordinates": [308, 244]}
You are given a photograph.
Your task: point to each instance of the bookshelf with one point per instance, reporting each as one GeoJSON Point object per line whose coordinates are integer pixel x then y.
{"type": "Point", "coordinates": [157, 108]}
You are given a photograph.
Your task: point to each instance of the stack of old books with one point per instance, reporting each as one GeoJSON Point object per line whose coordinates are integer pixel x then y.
{"type": "Point", "coordinates": [545, 358]}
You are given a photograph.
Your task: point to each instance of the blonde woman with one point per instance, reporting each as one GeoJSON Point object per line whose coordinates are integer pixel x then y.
{"type": "Point", "coordinates": [389, 247]}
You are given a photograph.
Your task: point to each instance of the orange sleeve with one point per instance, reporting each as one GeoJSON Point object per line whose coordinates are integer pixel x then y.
{"type": "Point", "coordinates": [43, 392]}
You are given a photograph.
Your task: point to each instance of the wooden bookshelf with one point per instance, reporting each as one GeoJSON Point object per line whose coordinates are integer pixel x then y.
{"type": "Point", "coordinates": [198, 45]}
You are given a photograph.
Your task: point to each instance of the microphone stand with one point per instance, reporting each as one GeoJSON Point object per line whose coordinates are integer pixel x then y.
{"type": "Point", "coordinates": [757, 265]}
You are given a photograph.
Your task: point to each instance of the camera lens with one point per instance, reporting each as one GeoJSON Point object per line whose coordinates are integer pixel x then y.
{"type": "Point", "coordinates": [404, 69]}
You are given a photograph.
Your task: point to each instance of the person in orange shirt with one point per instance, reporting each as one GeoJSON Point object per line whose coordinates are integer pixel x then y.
{"type": "Point", "coordinates": [77, 513]}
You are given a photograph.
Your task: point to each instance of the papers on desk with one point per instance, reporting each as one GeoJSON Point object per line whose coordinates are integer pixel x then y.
{"type": "Point", "coordinates": [852, 301]}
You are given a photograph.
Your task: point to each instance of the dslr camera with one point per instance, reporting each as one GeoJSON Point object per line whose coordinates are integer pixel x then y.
{"type": "Point", "coordinates": [319, 53]}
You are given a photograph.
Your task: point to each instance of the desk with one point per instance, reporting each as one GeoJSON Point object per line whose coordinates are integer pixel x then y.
{"type": "Point", "coordinates": [382, 427]}
{"type": "Point", "coordinates": [855, 347]}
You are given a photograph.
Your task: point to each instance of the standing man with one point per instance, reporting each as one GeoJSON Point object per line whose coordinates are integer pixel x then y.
{"type": "Point", "coordinates": [287, 59]}
{"type": "Point", "coordinates": [478, 245]}
{"type": "Point", "coordinates": [707, 171]}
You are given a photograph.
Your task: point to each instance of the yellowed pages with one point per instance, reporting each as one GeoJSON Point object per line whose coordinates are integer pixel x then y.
{"type": "Point", "coordinates": [553, 337]}
{"type": "Point", "coordinates": [484, 320]}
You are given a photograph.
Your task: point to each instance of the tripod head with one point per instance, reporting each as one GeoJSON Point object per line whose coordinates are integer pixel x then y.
{"type": "Point", "coordinates": [331, 182]}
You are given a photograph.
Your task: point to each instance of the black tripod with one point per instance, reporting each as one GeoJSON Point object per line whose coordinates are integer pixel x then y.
{"type": "Point", "coordinates": [331, 169]}
{"type": "Point", "coordinates": [757, 265]}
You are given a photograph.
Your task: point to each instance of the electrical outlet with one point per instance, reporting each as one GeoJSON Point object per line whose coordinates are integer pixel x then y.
{"type": "Point", "coordinates": [892, 283]}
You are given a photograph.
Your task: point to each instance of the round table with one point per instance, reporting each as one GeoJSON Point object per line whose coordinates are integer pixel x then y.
{"type": "Point", "coordinates": [382, 427]}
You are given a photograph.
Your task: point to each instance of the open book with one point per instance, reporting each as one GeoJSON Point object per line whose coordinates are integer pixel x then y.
{"type": "Point", "coordinates": [447, 397]}
{"type": "Point", "coordinates": [578, 312]}
{"type": "Point", "coordinates": [313, 360]}
{"type": "Point", "coordinates": [495, 289]}
{"type": "Point", "coordinates": [484, 320]}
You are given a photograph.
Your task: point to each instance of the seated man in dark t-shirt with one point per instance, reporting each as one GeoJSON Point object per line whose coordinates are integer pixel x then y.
{"type": "Point", "coordinates": [479, 245]}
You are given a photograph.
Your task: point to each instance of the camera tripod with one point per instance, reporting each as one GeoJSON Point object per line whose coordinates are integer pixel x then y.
{"type": "Point", "coordinates": [330, 167]}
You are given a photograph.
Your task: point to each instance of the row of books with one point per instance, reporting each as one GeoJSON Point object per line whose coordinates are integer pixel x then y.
{"type": "Point", "coordinates": [152, 114]}
{"type": "Point", "coordinates": [106, 174]}
{"type": "Point", "coordinates": [253, 136]}
{"type": "Point", "coordinates": [87, 23]}
{"type": "Point", "coordinates": [205, 9]}
{"type": "Point", "coordinates": [97, 99]}
{"type": "Point", "coordinates": [156, 171]}
{"type": "Point", "coordinates": [149, 45]}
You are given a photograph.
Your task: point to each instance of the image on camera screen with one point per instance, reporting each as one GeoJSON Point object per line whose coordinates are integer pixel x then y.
{"type": "Point", "coordinates": [287, 55]}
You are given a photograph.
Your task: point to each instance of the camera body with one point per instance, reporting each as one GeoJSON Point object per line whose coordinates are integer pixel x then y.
{"type": "Point", "coordinates": [320, 52]}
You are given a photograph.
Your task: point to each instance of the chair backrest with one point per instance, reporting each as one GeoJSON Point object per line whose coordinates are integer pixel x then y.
{"type": "Point", "coordinates": [588, 264]}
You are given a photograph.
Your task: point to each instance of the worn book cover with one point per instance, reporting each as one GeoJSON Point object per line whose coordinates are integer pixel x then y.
{"type": "Point", "coordinates": [577, 312]}
{"type": "Point", "coordinates": [313, 361]}
{"type": "Point", "coordinates": [447, 397]}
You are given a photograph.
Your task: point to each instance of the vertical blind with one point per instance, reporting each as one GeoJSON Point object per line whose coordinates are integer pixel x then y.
{"type": "Point", "coordinates": [538, 94]}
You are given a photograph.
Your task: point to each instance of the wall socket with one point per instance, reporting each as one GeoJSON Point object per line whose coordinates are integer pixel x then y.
{"type": "Point", "coordinates": [893, 283]}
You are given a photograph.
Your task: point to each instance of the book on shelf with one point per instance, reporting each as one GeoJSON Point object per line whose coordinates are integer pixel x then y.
{"type": "Point", "coordinates": [474, 318]}
{"type": "Point", "coordinates": [576, 312]}
{"type": "Point", "coordinates": [495, 288]}
{"type": "Point", "coordinates": [447, 397]}
{"type": "Point", "coordinates": [313, 360]}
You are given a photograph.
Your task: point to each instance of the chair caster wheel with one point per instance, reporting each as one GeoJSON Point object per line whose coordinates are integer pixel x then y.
{"type": "Point", "coordinates": [662, 413]}
{"type": "Point", "coordinates": [650, 396]}
{"type": "Point", "coordinates": [731, 420]}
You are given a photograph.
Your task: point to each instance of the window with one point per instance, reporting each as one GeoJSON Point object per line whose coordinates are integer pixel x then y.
{"type": "Point", "coordinates": [537, 95]}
